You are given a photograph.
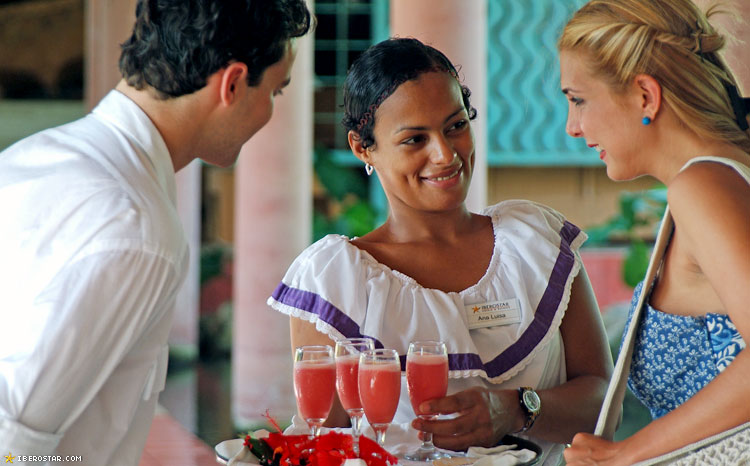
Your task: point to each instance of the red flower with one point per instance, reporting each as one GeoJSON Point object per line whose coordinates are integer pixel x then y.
{"type": "Point", "coordinates": [273, 422]}
{"type": "Point", "coordinates": [373, 454]}
{"type": "Point", "coordinates": [331, 449]}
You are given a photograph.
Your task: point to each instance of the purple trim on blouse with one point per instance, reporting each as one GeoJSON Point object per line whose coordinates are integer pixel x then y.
{"type": "Point", "coordinates": [545, 311]}
{"type": "Point", "coordinates": [465, 361]}
{"type": "Point", "coordinates": [327, 312]}
{"type": "Point", "coordinates": [538, 328]}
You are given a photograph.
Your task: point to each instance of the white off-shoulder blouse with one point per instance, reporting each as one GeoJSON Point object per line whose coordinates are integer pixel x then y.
{"type": "Point", "coordinates": [347, 293]}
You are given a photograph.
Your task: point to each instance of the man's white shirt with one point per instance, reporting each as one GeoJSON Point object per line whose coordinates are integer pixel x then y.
{"type": "Point", "coordinates": [92, 254]}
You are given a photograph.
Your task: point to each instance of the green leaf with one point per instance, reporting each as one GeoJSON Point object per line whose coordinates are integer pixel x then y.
{"type": "Point", "coordinates": [338, 180]}
{"type": "Point", "coordinates": [260, 449]}
{"type": "Point", "coordinates": [598, 235]}
{"type": "Point", "coordinates": [359, 219]}
{"type": "Point", "coordinates": [627, 208]}
{"type": "Point", "coordinates": [212, 259]}
{"type": "Point", "coordinates": [636, 262]}
{"type": "Point", "coordinates": [321, 226]}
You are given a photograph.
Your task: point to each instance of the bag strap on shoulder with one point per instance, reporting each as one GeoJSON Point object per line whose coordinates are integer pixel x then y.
{"type": "Point", "coordinates": [610, 411]}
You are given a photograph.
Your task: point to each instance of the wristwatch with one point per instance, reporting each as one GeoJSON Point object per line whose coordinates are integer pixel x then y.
{"type": "Point", "coordinates": [531, 406]}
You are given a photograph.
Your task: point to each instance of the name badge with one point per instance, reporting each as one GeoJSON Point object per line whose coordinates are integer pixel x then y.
{"type": "Point", "coordinates": [493, 313]}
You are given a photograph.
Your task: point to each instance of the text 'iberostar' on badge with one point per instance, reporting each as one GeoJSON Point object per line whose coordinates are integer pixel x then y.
{"type": "Point", "coordinates": [490, 314]}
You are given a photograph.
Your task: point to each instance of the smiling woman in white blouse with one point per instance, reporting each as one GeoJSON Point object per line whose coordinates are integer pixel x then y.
{"type": "Point", "coordinates": [433, 268]}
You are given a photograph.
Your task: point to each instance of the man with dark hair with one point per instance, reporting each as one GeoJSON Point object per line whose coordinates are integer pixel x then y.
{"type": "Point", "coordinates": [92, 252]}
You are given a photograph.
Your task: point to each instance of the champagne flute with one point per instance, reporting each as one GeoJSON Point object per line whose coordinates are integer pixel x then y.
{"type": "Point", "coordinates": [379, 388]}
{"type": "Point", "coordinates": [347, 353]}
{"type": "Point", "coordinates": [314, 384]}
{"type": "Point", "coordinates": [426, 379]}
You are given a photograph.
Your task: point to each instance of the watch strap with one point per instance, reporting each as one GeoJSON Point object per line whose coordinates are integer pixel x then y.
{"type": "Point", "coordinates": [531, 415]}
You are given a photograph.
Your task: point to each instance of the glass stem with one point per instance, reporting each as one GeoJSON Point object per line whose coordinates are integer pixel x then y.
{"type": "Point", "coordinates": [380, 432]}
{"type": "Point", "coordinates": [427, 441]}
{"type": "Point", "coordinates": [356, 425]}
{"type": "Point", "coordinates": [356, 429]}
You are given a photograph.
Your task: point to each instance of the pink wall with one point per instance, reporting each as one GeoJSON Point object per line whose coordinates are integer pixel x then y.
{"type": "Point", "coordinates": [604, 268]}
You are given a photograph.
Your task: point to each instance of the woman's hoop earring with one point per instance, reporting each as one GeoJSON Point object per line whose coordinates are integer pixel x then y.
{"type": "Point", "coordinates": [368, 169]}
{"type": "Point", "coordinates": [646, 121]}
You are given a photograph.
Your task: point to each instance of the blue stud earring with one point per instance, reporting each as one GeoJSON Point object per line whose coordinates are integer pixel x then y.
{"type": "Point", "coordinates": [646, 121]}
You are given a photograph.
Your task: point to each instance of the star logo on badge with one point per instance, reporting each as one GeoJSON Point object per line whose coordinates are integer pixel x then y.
{"type": "Point", "coordinates": [476, 309]}
{"type": "Point", "coordinates": [9, 457]}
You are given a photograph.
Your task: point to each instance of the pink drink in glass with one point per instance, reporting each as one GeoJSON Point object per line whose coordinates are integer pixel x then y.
{"type": "Point", "coordinates": [314, 386]}
{"type": "Point", "coordinates": [426, 377]}
{"type": "Point", "coordinates": [347, 353]}
{"type": "Point", "coordinates": [379, 390]}
{"type": "Point", "coordinates": [347, 370]}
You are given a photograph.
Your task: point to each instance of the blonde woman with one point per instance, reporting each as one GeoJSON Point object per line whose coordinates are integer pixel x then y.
{"type": "Point", "coordinates": [648, 90]}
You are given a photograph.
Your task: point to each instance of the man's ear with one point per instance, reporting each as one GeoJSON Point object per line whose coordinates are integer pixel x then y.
{"type": "Point", "coordinates": [649, 95]}
{"type": "Point", "coordinates": [232, 79]}
{"type": "Point", "coordinates": [358, 149]}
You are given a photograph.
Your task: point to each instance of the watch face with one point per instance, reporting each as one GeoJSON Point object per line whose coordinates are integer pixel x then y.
{"type": "Point", "coordinates": [532, 401]}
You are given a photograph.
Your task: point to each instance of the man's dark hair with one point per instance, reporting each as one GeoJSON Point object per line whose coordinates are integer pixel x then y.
{"type": "Point", "coordinates": [376, 74]}
{"type": "Point", "coordinates": [177, 44]}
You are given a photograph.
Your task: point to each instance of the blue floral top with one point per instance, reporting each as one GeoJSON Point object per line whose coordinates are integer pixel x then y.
{"type": "Point", "coordinates": [675, 356]}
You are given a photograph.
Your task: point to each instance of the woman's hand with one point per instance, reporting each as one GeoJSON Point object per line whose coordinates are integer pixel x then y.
{"type": "Point", "coordinates": [483, 417]}
{"type": "Point", "coordinates": [592, 449]}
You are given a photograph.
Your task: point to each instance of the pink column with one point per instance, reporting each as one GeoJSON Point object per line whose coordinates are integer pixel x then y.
{"type": "Point", "coordinates": [108, 24]}
{"type": "Point", "coordinates": [737, 54]}
{"type": "Point", "coordinates": [459, 30]}
{"type": "Point", "coordinates": [183, 338]}
{"type": "Point", "coordinates": [273, 210]}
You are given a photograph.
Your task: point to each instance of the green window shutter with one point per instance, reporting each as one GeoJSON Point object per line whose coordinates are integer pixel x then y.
{"type": "Point", "coordinates": [345, 29]}
{"type": "Point", "coordinates": [526, 112]}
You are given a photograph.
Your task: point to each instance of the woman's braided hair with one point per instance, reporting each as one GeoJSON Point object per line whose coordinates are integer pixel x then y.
{"type": "Point", "coordinates": [672, 41]}
{"type": "Point", "coordinates": [379, 71]}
